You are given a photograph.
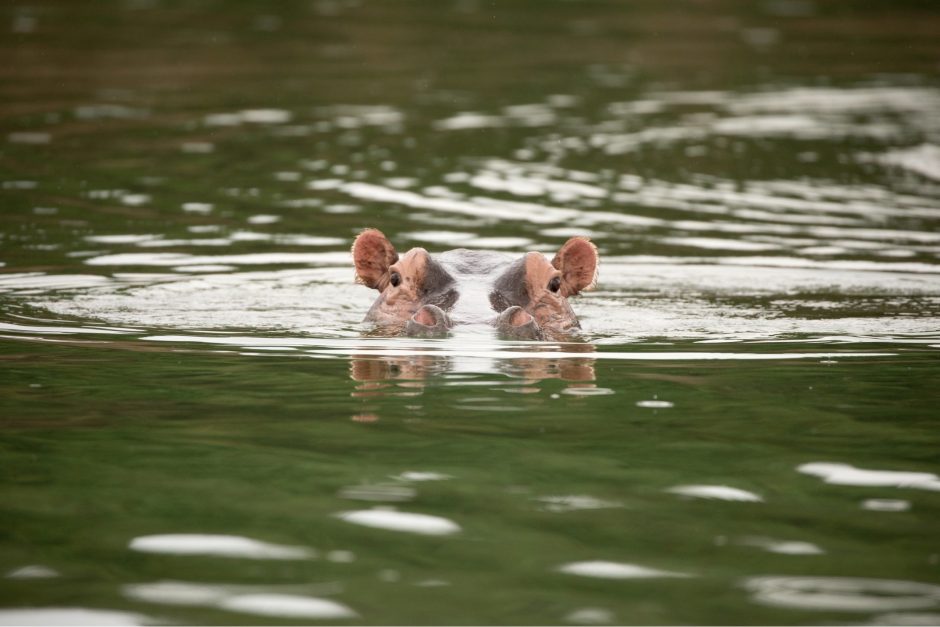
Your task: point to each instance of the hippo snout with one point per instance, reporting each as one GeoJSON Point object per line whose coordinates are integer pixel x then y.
{"type": "Point", "coordinates": [517, 323]}
{"type": "Point", "coordinates": [429, 320]}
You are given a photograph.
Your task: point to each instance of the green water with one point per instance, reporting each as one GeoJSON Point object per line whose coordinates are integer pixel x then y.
{"type": "Point", "coordinates": [744, 433]}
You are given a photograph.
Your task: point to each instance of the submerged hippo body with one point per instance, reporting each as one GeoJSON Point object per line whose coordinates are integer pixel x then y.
{"type": "Point", "coordinates": [524, 297]}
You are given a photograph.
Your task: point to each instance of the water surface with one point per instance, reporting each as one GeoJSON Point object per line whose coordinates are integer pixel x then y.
{"type": "Point", "coordinates": [197, 428]}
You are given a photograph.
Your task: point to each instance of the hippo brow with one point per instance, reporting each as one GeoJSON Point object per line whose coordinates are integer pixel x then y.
{"type": "Point", "coordinates": [510, 288]}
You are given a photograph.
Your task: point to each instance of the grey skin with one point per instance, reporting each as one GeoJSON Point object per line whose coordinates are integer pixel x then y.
{"type": "Point", "coordinates": [524, 297]}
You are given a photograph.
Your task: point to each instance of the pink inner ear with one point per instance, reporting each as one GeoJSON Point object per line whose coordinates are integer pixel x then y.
{"type": "Point", "coordinates": [372, 255]}
{"type": "Point", "coordinates": [577, 262]}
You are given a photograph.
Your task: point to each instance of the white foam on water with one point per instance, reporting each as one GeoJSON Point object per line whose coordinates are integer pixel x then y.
{"type": "Point", "coordinates": [587, 390]}
{"type": "Point", "coordinates": [912, 619]}
{"type": "Point", "coordinates": [33, 571]}
{"type": "Point", "coordinates": [783, 547]}
{"type": "Point", "coordinates": [177, 592]}
{"type": "Point", "coordinates": [417, 475]}
{"type": "Point", "coordinates": [837, 100]}
{"type": "Point", "coordinates": [406, 351]}
{"type": "Point", "coordinates": [29, 137]}
{"type": "Point", "coordinates": [55, 330]}
{"type": "Point", "coordinates": [715, 243]}
{"type": "Point", "coordinates": [218, 546]}
{"type": "Point", "coordinates": [718, 492]}
{"type": "Point", "coordinates": [168, 243]}
{"type": "Point", "coordinates": [122, 239]}
{"type": "Point", "coordinates": [476, 207]}
{"type": "Point", "coordinates": [575, 502]}
{"type": "Point", "coordinates": [525, 182]}
{"type": "Point", "coordinates": [45, 616]}
{"type": "Point", "coordinates": [265, 116]}
{"type": "Point", "coordinates": [469, 120]}
{"type": "Point", "coordinates": [340, 556]}
{"type": "Point", "coordinates": [197, 148]}
{"type": "Point", "coordinates": [602, 569]}
{"type": "Point", "coordinates": [452, 238]}
{"type": "Point", "coordinates": [39, 282]}
{"type": "Point", "coordinates": [197, 207]}
{"type": "Point", "coordinates": [499, 242]}
{"type": "Point", "coordinates": [842, 594]}
{"type": "Point", "coordinates": [287, 606]}
{"type": "Point", "coordinates": [590, 616]}
{"type": "Point", "coordinates": [179, 259]}
{"type": "Point", "coordinates": [655, 404]}
{"type": "Point", "coordinates": [104, 111]}
{"type": "Point", "coordinates": [923, 159]}
{"type": "Point", "coordinates": [392, 520]}
{"type": "Point", "coordinates": [209, 267]}
{"type": "Point", "coordinates": [845, 474]}
{"type": "Point", "coordinates": [785, 125]}
{"type": "Point", "coordinates": [241, 598]}
{"type": "Point", "coordinates": [263, 218]}
{"type": "Point", "coordinates": [886, 505]}
{"type": "Point", "coordinates": [348, 116]}
{"type": "Point", "coordinates": [136, 200]}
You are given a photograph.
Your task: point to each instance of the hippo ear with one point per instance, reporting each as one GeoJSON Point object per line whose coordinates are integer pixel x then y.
{"type": "Point", "coordinates": [577, 262]}
{"type": "Point", "coordinates": [372, 255]}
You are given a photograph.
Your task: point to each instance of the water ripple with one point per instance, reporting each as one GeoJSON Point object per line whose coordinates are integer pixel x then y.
{"type": "Point", "coordinates": [843, 594]}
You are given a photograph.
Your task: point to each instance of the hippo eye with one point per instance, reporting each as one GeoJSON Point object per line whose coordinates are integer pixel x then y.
{"type": "Point", "coordinates": [395, 279]}
{"type": "Point", "coordinates": [555, 284]}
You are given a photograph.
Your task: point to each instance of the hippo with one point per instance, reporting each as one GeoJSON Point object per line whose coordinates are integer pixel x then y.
{"type": "Point", "coordinates": [423, 295]}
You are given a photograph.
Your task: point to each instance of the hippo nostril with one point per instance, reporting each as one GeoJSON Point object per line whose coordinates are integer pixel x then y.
{"type": "Point", "coordinates": [429, 320]}
{"type": "Point", "coordinates": [520, 317]}
{"type": "Point", "coordinates": [517, 323]}
{"type": "Point", "coordinates": [514, 316]}
{"type": "Point", "coordinates": [429, 316]}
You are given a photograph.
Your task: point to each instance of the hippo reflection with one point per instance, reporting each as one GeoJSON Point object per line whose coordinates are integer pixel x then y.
{"type": "Point", "coordinates": [524, 298]}
{"type": "Point", "coordinates": [408, 373]}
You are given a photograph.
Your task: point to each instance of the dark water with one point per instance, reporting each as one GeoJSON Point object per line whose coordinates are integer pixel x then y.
{"type": "Point", "coordinates": [196, 427]}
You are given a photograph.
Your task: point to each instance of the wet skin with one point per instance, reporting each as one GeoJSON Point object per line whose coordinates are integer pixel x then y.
{"type": "Point", "coordinates": [425, 295]}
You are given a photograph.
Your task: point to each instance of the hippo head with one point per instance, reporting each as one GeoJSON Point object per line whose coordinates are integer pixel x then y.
{"type": "Point", "coordinates": [531, 295]}
{"type": "Point", "coordinates": [528, 297]}
{"type": "Point", "coordinates": [415, 291]}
